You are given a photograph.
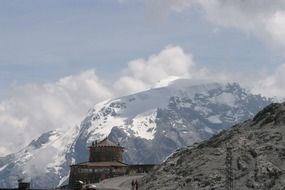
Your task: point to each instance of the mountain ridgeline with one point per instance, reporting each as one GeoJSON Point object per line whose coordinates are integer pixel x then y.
{"type": "Point", "coordinates": [257, 157]}
{"type": "Point", "coordinates": [150, 125]}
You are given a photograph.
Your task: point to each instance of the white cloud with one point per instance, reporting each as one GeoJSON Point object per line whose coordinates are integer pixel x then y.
{"type": "Point", "coordinates": [275, 26]}
{"type": "Point", "coordinates": [33, 109]}
{"type": "Point", "coordinates": [273, 85]}
{"type": "Point", "coordinates": [263, 18]}
{"type": "Point", "coordinates": [143, 73]}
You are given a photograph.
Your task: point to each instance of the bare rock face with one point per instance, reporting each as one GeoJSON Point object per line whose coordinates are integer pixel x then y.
{"type": "Point", "coordinates": [258, 158]}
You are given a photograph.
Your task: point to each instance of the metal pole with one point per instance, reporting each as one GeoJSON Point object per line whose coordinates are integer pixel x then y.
{"type": "Point", "coordinates": [229, 170]}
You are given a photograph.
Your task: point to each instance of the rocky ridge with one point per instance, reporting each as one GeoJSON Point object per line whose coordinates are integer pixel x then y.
{"type": "Point", "coordinates": [258, 158]}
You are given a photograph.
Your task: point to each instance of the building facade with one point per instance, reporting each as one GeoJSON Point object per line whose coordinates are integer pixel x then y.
{"type": "Point", "coordinates": [105, 161]}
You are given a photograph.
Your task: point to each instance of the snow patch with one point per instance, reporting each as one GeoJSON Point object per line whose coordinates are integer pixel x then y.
{"type": "Point", "coordinates": [62, 180]}
{"type": "Point", "coordinates": [209, 130]}
{"type": "Point", "coordinates": [3, 167]}
{"type": "Point", "coordinates": [144, 125]}
{"type": "Point", "coordinates": [102, 127]}
{"type": "Point", "coordinates": [214, 119]}
{"type": "Point", "coordinates": [166, 82]}
{"type": "Point", "coordinates": [225, 98]}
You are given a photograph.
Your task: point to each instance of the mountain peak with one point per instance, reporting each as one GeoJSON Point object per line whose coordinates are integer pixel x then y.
{"type": "Point", "coordinates": [183, 82]}
{"type": "Point", "coordinates": [166, 82]}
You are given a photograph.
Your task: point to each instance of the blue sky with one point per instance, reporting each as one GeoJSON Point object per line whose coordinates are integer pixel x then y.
{"type": "Point", "coordinates": [59, 58]}
{"type": "Point", "coordinates": [45, 40]}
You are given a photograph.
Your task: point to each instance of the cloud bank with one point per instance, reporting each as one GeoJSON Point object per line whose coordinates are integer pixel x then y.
{"type": "Point", "coordinates": [144, 73]}
{"type": "Point", "coordinates": [262, 18]}
{"type": "Point", "coordinates": [36, 108]}
{"type": "Point", "coordinates": [272, 85]}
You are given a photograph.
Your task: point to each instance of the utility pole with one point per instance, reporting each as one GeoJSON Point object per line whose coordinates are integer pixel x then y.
{"type": "Point", "coordinates": [229, 169]}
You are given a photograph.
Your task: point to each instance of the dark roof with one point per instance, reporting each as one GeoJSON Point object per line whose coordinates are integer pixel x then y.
{"type": "Point", "coordinates": [102, 164]}
{"type": "Point", "coordinates": [105, 143]}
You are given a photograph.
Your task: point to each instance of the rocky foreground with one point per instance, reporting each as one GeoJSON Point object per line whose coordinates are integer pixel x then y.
{"type": "Point", "coordinates": [258, 158]}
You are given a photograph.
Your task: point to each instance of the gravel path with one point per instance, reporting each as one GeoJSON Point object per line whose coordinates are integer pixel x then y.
{"type": "Point", "coordinates": [118, 183]}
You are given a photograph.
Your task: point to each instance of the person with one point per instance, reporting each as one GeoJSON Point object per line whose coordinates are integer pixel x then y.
{"type": "Point", "coordinates": [133, 185]}
{"type": "Point", "coordinates": [137, 185]}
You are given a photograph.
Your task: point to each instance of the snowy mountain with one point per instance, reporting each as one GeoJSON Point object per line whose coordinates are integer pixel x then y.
{"type": "Point", "coordinates": [257, 154]}
{"type": "Point", "coordinates": [44, 161]}
{"type": "Point", "coordinates": [150, 124]}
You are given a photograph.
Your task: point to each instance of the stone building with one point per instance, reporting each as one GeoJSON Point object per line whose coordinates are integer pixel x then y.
{"type": "Point", "coordinates": [105, 161]}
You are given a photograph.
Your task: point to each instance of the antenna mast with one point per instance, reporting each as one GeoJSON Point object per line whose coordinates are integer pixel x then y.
{"type": "Point", "coordinates": [229, 169]}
